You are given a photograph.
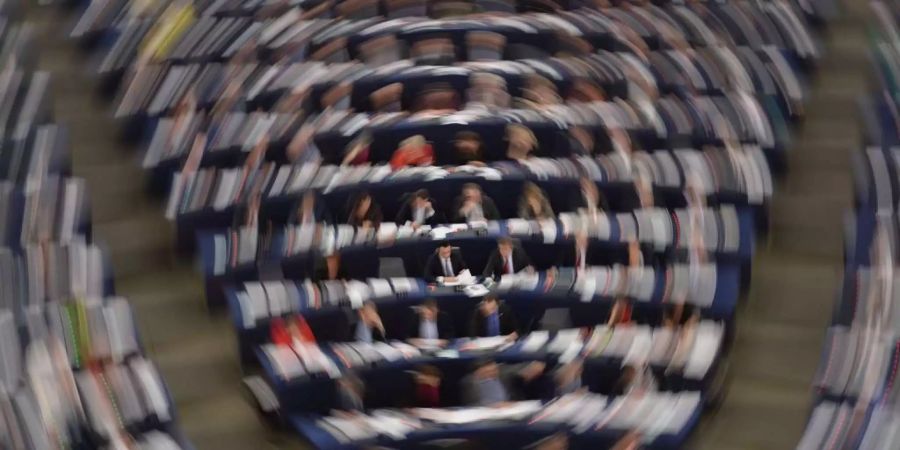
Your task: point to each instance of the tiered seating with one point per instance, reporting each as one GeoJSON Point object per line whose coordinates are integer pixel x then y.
{"type": "Point", "coordinates": [262, 121]}
{"type": "Point", "coordinates": [72, 369]}
{"type": "Point", "coordinates": [855, 383]}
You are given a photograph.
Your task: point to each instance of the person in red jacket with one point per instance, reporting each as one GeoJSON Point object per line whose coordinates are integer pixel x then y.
{"type": "Point", "coordinates": [413, 151]}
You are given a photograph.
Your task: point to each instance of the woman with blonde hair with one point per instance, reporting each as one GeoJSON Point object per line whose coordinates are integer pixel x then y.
{"type": "Point", "coordinates": [533, 203]}
{"type": "Point", "coordinates": [522, 142]}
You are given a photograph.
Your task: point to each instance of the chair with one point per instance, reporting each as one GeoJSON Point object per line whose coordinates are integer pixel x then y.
{"type": "Point", "coordinates": [391, 267]}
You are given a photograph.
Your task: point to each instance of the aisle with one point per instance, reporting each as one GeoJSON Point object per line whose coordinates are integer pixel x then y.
{"type": "Point", "coordinates": [194, 351]}
{"type": "Point", "coordinates": [781, 326]}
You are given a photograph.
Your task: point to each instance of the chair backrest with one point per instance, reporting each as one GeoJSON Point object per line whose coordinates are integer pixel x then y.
{"type": "Point", "coordinates": [556, 319]}
{"type": "Point", "coordinates": [391, 267]}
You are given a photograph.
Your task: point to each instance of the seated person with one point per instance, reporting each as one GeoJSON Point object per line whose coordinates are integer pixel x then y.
{"type": "Point", "coordinates": [521, 142]}
{"type": "Point", "coordinates": [585, 91]}
{"type": "Point", "coordinates": [567, 378]}
{"type": "Point", "coordinates": [493, 318]}
{"type": "Point", "coordinates": [328, 268]}
{"type": "Point", "coordinates": [467, 146]}
{"type": "Point", "coordinates": [538, 92]}
{"type": "Point", "coordinates": [387, 99]}
{"type": "Point", "coordinates": [427, 381]}
{"type": "Point", "coordinates": [492, 384]}
{"type": "Point", "coordinates": [413, 151]}
{"type": "Point", "coordinates": [430, 323]}
{"type": "Point", "coordinates": [487, 90]}
{"type": "Point", "coordinates": [635, 380]}
{"type": "Point", "coordinates": [437, 97]}
{"type": "Point", "coordinates": [484, 387]}
{"type": "Point", "coordinates": [368, 324]}
{"type": "Point", "coordinates": [620, 313]}
{"type": "Point", "coordinates": [474, 206]}
{"type": "Point", "coordinates": [350, 391]}
{"type": "Point", "coordinates": [444, 262]}
{"type": "Point", "coordinates": [577, 255]}
{"type": "Point", "coordinates": [591, 200]}
{"type": "Point", "coordinates": [507, 258]}
{"type": "Point", "coordinates": [309, 211]}
{"type": "Point", "coordinates": [533, 204]}
{"type": "Point", "coordinates": [419, 210]}
{"type": "Point", "coordinates": [363, 211]}
{"type": "Point", "coordinates": [357, 151]}
{"type": "Point", "coordinates": [581, 141]}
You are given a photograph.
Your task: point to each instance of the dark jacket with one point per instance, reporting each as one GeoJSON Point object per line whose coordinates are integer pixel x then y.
{"type": "Point", "coordinates": [434, 268]}
{"type": "Point", "coordinates": [508, 322]}
{"type": "Point", "coordinates": [444, 326]}
{"type": "Point", "coordinates": [487, 206]}
{"type": "Point", "coordinates": [406, 215]}
{"type": "Point", "coordinates": [496, 265]}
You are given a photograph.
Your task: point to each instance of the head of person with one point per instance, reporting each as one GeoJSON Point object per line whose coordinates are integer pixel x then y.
{"type": "Point", "coordinates": [420, 198]}
{"type": "Point", "coordinates": [520, 138]}
{"type": "Point", "coordinates": [629, 373]}
{"type": "Point", "coordinates": [488, 305]}
{"type": "Point", "coordinates": [487, 81]}
{"type": "Point", "coordinates": [468, 145]}
{"type": "Point", "coordinates": [472, 192]}
{"type": "Point", "coordinates": [531, 191]}
{"type": "Point", "coordinates": [583, 137]}
{"type": "Point", "coordinates": [429, 310]}
{"type": "Point", "coordinates": [362, 204]}
{"type": "Point", "coordinates": [444, 249]}
{"type": "Point", "coordinates": [486, 369]}
{"type": "Point", "coordinates": [413, 142]}
{"type": "Point", "coordinates": [505, 246]}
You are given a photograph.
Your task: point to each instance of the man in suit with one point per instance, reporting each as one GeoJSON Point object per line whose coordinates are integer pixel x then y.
{"type": "Point", "coordinates": [473, 205]}
{"type": "Point", "coordinates": [430, 323]}
{"type": "Point", "coordinates": [419, 210]}
{"type": "Point", "coordinates": [445, 262]}
{"type": "Point", "coordinates": [493, 318]}
{"type": "Point", "coordinates": [507, 259]}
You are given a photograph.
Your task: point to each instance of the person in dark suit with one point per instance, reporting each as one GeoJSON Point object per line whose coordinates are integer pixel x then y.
{"type": "Point", "coordinates": [419, 210]}
{"type": "Point", "coordinates": [445, 262]}
{"type": "Point", "coordinates": [507, 258]}
{"type": "Point", "coordinates": [362, 211]}
{"type": "Point", "coordinates": [493, 318]}
{"type": "Point", "coordinates": [473, 205]}
{"type": "Point", "coordinates": [429, 322]}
